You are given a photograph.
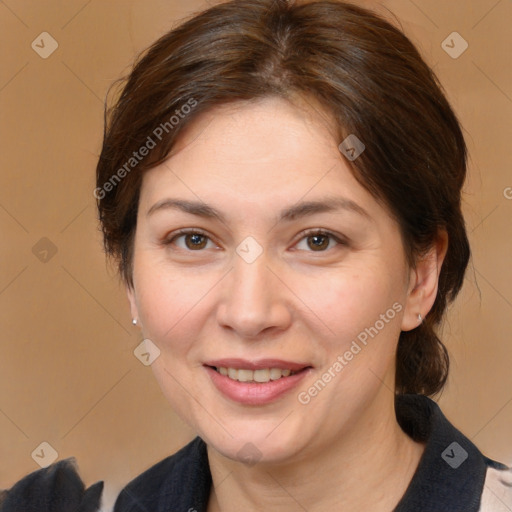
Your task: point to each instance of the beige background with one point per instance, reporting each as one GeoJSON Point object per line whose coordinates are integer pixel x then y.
{"type": "Point", "coordinates": [68, 375]}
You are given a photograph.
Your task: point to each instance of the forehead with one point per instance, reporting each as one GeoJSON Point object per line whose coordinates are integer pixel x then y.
{"type": "Point", "coordinates": [269, 127]}
{"type": "Point", "coordinates": [269, 152]}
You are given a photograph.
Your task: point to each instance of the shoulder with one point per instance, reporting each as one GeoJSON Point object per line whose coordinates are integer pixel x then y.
{"type": "Point", "coordinates": [497, 491]}
{"type": "Point", "coordinates": [164, 482]}
{"type": "Point", "coordinates": [453, 474]}
{"type": "Point", "coordinates": [56, 488]}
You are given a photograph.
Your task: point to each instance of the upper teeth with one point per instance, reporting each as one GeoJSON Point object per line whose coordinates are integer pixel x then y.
{"type": "Point", "coordinates": [263, 375]}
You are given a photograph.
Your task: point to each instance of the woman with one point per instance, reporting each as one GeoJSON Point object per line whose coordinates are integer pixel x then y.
{"type": "Point", "coordinates": [281, 184]}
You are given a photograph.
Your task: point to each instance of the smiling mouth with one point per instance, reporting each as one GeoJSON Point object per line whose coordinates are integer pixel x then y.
{"type": "Point", "coordinates": [259, 376]}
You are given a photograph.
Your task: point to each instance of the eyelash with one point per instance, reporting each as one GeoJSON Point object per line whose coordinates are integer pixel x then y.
{"type": "Point", "coordinates": [304, 234]}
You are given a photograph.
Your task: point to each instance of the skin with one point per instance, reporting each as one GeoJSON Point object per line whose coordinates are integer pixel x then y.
{"type": "Point", "coordinates": [294, 302]}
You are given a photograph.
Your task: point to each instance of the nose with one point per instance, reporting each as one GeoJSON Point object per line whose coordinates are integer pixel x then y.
{"type": "Point", "coordinates": [255, 301]}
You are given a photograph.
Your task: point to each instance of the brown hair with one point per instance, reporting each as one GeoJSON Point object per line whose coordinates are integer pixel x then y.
{"type": "Point", "coordinates": [362, 70]}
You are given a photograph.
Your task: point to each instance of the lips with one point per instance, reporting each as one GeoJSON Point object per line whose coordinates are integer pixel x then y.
{"type": "Point", "coordinates": [255, 382]}
{"type": "Point", "coordinates": [244, 364]}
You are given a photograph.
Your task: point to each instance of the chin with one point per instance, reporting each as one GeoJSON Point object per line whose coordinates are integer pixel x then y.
{"type": "Point", "coordinates": [251, 444]}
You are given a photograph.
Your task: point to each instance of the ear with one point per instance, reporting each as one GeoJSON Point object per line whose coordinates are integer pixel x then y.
{"type": "Point", "coordinates": [130, 293]}
{"type": "Point", "coordinates": [423, 283]}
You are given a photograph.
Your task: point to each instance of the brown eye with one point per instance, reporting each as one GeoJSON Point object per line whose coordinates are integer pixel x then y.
{"type": "Point", "coordinates": [193, 240]}
{"type": "Point", "coordinates": [319, 241]}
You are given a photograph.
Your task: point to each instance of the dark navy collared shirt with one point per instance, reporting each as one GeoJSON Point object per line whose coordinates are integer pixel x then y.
{"type": "Point", "coordinates": [452, 475]}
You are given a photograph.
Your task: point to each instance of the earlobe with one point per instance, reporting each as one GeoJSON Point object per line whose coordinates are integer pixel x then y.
{"type": "Point", "coordinates": [423, 284]}
{"type": "Point", "coordinates": [130, 293]}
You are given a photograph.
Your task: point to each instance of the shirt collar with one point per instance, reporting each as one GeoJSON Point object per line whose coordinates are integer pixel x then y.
{"type": "Point", "coordinates": [451, 473]}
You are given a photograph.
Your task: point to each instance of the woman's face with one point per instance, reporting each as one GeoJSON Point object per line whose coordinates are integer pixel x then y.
{"type": "Point", "coordinates": [257, 287]}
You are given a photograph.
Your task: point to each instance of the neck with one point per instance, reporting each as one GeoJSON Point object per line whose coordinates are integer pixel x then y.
{"type": "Point", "coordinates": [371, 454]}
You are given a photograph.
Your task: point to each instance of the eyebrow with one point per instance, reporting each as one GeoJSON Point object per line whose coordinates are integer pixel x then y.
{"type": "Point", "coordinates": [300, 210]}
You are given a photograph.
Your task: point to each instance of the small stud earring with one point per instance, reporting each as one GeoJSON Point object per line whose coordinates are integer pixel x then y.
{"type": "Point", "coordinates": [134, 321]}
{"type": "Point", "coordinates": [420, 318]}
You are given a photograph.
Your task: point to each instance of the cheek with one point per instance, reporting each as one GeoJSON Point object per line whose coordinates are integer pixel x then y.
{"type": "Point", "coordinates": [348, 303]}
{"type": "Point", "coordinates": [167, 305]}
{"type": "Point", "coordinates": [170, 306]}
{"type": "Point", "coordinates": [361, 316]}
